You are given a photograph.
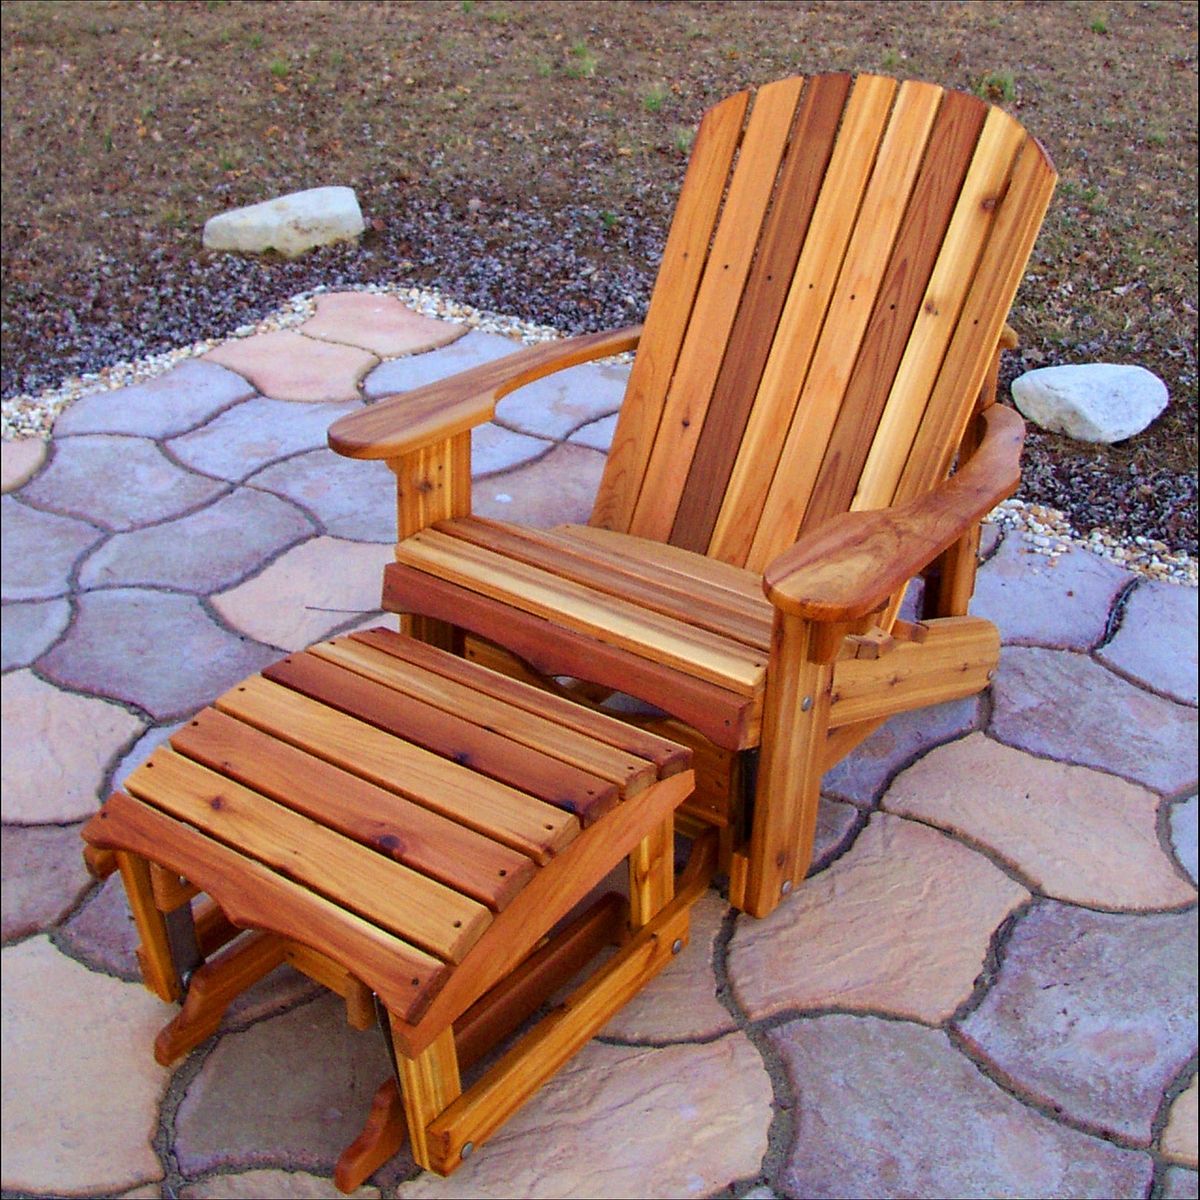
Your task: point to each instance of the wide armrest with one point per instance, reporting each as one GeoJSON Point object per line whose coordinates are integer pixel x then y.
{"type": "Point", "coordinates": [439, 410]}
{"type": "Point", "coordinates": [850, 565]}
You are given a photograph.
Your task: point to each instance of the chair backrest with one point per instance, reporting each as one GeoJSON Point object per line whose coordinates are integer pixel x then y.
{"type": "Point", "coordinates": [842, 259]}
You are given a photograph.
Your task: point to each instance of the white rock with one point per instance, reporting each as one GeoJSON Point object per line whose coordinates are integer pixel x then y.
{"type": "Point", "coordinates": [1094, 402]}
{"type": "Point", "coordinates": [289, 224]}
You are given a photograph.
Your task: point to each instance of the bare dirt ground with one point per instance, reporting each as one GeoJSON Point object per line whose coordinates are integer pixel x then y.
{"type": "Point", "coordinates": [525, 157]}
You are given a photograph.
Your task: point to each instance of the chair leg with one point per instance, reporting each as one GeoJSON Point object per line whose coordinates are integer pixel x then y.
{"type": "Point", "coordinates": [788, 789]}
{"type": "Point", "coordinates": [154, 953]}
{"type": "Point", "coordinates": [652, 874]}
{"type": "Point", "coordinates": [429, 1084]}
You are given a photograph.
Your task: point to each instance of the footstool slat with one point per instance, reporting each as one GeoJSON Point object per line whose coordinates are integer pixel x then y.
{"type": "Point", "coordinates": [467, 861]}
{"type": "Point", "coordinates": [495, 809]}
{"type": "Point", "coordinates": [628, 771]}
{"type": "Point", "coordinates": [430, 914]}
{"type": "Point", "coordinates": [405, 978]}
{"type": "Point", "coordinates": [668, 757]}
{"type": "Point", "coordinates": [448, 735]}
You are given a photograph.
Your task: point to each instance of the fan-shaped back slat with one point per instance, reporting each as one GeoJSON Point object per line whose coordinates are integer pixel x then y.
{"type": "Point", "coordinates": [827, 352]}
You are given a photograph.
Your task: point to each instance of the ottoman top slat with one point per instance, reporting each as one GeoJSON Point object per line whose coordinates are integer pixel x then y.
{"type": "Point", "coordinates": [467, 861]}
{"type": "Point", "coordinates": [495, 809]}
{"type": "Point", "coordinates": [403, 901]}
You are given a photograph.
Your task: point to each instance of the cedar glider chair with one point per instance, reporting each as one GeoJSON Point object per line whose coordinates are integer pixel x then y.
{"type": "Point", "coordinates": [810, 423]}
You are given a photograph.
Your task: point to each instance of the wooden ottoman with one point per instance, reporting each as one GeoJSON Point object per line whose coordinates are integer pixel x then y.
{"type": "Point", "coordinates": [406, 827]}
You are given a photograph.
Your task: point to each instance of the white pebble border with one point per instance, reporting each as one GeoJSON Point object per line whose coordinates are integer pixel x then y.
{"type": "Point", "coordinates": [1047, 530]}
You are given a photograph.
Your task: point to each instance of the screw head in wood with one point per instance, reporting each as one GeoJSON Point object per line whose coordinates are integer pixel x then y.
{"type": "Point", "coordinates": [677, 945]}
{"type": "Point", "coordinates": [806, 704]}
{"type": "Point", "coordinates": [785, 887]}
{"type": "Point", "coordinates": [468, 1148]}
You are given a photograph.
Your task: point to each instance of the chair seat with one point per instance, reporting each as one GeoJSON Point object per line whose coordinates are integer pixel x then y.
{"type": "Point", "coordinates": [406, 813]}
{"type": "Point", "coordinates": [687, 633]}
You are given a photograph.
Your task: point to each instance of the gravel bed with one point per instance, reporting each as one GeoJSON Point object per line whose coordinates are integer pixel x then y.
{"type": "Point", "coordinates": [1048, 531]}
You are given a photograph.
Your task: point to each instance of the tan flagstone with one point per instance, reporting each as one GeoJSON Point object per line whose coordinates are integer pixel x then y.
{"type": "Point", "coordinates": [315, 587]}
{"type": "Point", "coordinates": [81, 1087]}
{"type": "Point", "coordinates": [1179, 1137]}
{"type": "Point", "coordinates": [57, 748]}
{"type": "Point", "coordinates": [268, 1185]}
{"type": "Point", "coordinates": [378, 323]}
{"type": "Point", "coordinates": [900, 924]}
{"type": "Point", "coordinates": [19, 460]}
{"type": "Point", "coordinates": [286, 365]}
{"type": "Point", "coordinates": [627, 1121]}
{"type": "Point", "coordinates": [1076, 834]}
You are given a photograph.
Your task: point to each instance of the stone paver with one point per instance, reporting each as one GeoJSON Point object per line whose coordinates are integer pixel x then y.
{"type": "Point", "coordinates": [1062, 603]}
{"type": "Point", "coordinates": [1073, 833]}
{"type": "Point", "coordinates": [378, 323]}
{"type": "Point", "coordinates": [1179, 1184]}
{"type": "Point", "coordinates": [57, 748]}
{"type": "Point", "coordinates": [78, 1076]}
{"type": "Point", "coordinates": [43, 877]}
{"type": "Point", "coordinates": [268, 1185]}
{"type": "Point", "coordinates": [406, 373]}
{"type": "Point", "coordinates": [863, 774]}
{"type": "Point", "coordinates": [295, 1088]}
{"type": "Point", "coordinates": [1183, 834]}
{"type": "Point", "coordinates": [681, 1003]}
{"type": "Point", "coordinates": [835, 822]}
{"type": "Point", "coordinates": [627, 1121]}
{"type": "Point", "coordinates": [888, 1108]}
{"type": "Point", "coordinates": [102, 933]}
{"type": "Point", "coordinates": [30, 629]}
{"type": "Point", "coordinates": [1065, 706]}
{"type": "Point", "coordinates": [130, 643]}
{"type": "Point", "coordinates": [556, 490]}
{"type": "Point", "coordinates": [141, 750]}
{"type": "Point", "coordinates": [286, 365]}
{"type": "Point", "coordinates": [1093, 1013]}
{"type": "Point", "coordinates": [255, 433]}
{"type": "Point", "coordinates": [352, 498]}
{"type": "Point", "coordinates": [558, 404]}
{"type": "Point", "coordinates": [900, 924]}
{"type": "Point", "coordinates": [596, 434]}
{"type": "Point", "coordinates": [202, 552]}
{"type": "Point", "coordinates": [38, 550]}
{"type": "Point", "coordinates": [310, 590]}
{"type": "Point", "coordinates": [171, 403]}
{"type": "Point", "coordinates": [19, 460]}
{"type": "Point", "coordinates": [1179, 1137]}
{"type": "Point", "coordinates": [495, 449]}
{"type": "Point", "coordinates": [118, 482]}
{"type": "Point", "coordinates": [1156, 643]}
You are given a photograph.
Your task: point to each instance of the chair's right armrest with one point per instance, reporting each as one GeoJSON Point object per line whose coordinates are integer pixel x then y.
{"type": "Point", "coordinates": [399, 424]}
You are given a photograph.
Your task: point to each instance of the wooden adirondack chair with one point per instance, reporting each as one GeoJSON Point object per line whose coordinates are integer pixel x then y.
{"type": "Point", "coordinates": [821, 350]}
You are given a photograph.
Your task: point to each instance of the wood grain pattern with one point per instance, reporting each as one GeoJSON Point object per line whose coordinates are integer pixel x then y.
{"type": "Point", "coordinates": [256, 897]}
{"type": "Point", "coordinates": [730, 718]}
{"type": "Point", "coordinates": [447, 735]}
{"type": "Point", "coordinates": [385, 892]}
{"type": "Point", "coordinates": [502, 813]}
{"type": "Point", "coordinates": [716, 307]}
{"type": "Point", "coordinates": [883, 207]}
{"type": "Point", "coordinates": [791, 353]}
{"type": "Point", "coordinates": [671, 302]}
{"type": "Point", "coordinates": [465, 860]}
{"type": "Point", "coordinates": [787, 222]}
{"type": "Point", "coordinates": [902, 294]}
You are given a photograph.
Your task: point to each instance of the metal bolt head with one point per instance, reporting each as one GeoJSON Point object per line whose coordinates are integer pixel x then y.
{"type": "Point", "coordinates": [991, 676]}
{"type": "Point", "coordinates": [785, 887]}
{"type": "Point", "coordinates": [677, 945]}
{"type": "Point", "coordinates": [468, 1148]}
{"type": "Point", "coordinates": [806, 704]}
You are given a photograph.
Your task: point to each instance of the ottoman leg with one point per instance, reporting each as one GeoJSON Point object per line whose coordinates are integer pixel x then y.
{"type": "Point", "coordinates": [429, 1084]}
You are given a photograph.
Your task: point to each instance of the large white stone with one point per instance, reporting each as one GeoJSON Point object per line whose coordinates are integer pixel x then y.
{"type": "Point", "coordinates": [1093, 402]}
{"type": "Point", "coordinates": [289, 224]}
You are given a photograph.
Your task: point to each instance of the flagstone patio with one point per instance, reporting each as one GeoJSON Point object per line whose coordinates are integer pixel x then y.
{"type": "Point", "coordinates": [987, 987]}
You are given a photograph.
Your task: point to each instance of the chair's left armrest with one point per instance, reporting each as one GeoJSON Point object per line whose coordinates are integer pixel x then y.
{"type": "Point", "coordinates": [847, 568]}
{"type": "Point", "coordinates": [410, 420]}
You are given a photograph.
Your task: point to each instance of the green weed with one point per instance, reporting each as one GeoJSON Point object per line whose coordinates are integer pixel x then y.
{"type": "Point", "coordinates": [608, 220]}
{"type": "Point", "coordinates": [256, 41]}
{"type": "Point", "coordinates": [683, 140]}
{"type": "Point", "coordinates": [1100, 26]}
{"type": "Point", "coordinates": [583, 62]}
{"type": "Point", "coordinates": [468, 5]}
{"type": "Point", "coordinates": [1157, 137]}
{"type": "Point", "coordinates": [543, 68]}
{"type": "Point", "coordinates": [891, 60]}
{"type": "Point", "coordinates": [656, 99]}
{"type": "Point", "coordinates": [279, 67]}
{"type": "Point", "coordinates": [997, 86]}
{"type": "Point", "coordinates": [108, 143]}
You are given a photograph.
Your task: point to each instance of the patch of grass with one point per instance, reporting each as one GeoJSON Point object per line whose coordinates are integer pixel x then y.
{"type": "Point", "coordinates": [891, 60]}
{"type": "Point", "coordinates": [609, 220]}
{"type": "Point", "coordinates": [256, 41]}
{"type": "Point", "coordinates": [1100, 25]}
{"type": "Point", "coordinates": [997, 86]}
{"type": "Point", "coordinates": [467, 5]}
{"type": "Point", "coordinates": [108, 143]}
{"type": "Point", "coordinates": [655, 99]}
{"type": "Point", "coordinates": [542, 68]}
{"type": "Point", "coordinates": [683, 140]}
{"type": "Point", "coordinates": [583, 62]}
{"type": "Point", "coordinates": [279, 68]}
{"type": "Point", "coordinates": [1157, 137]}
